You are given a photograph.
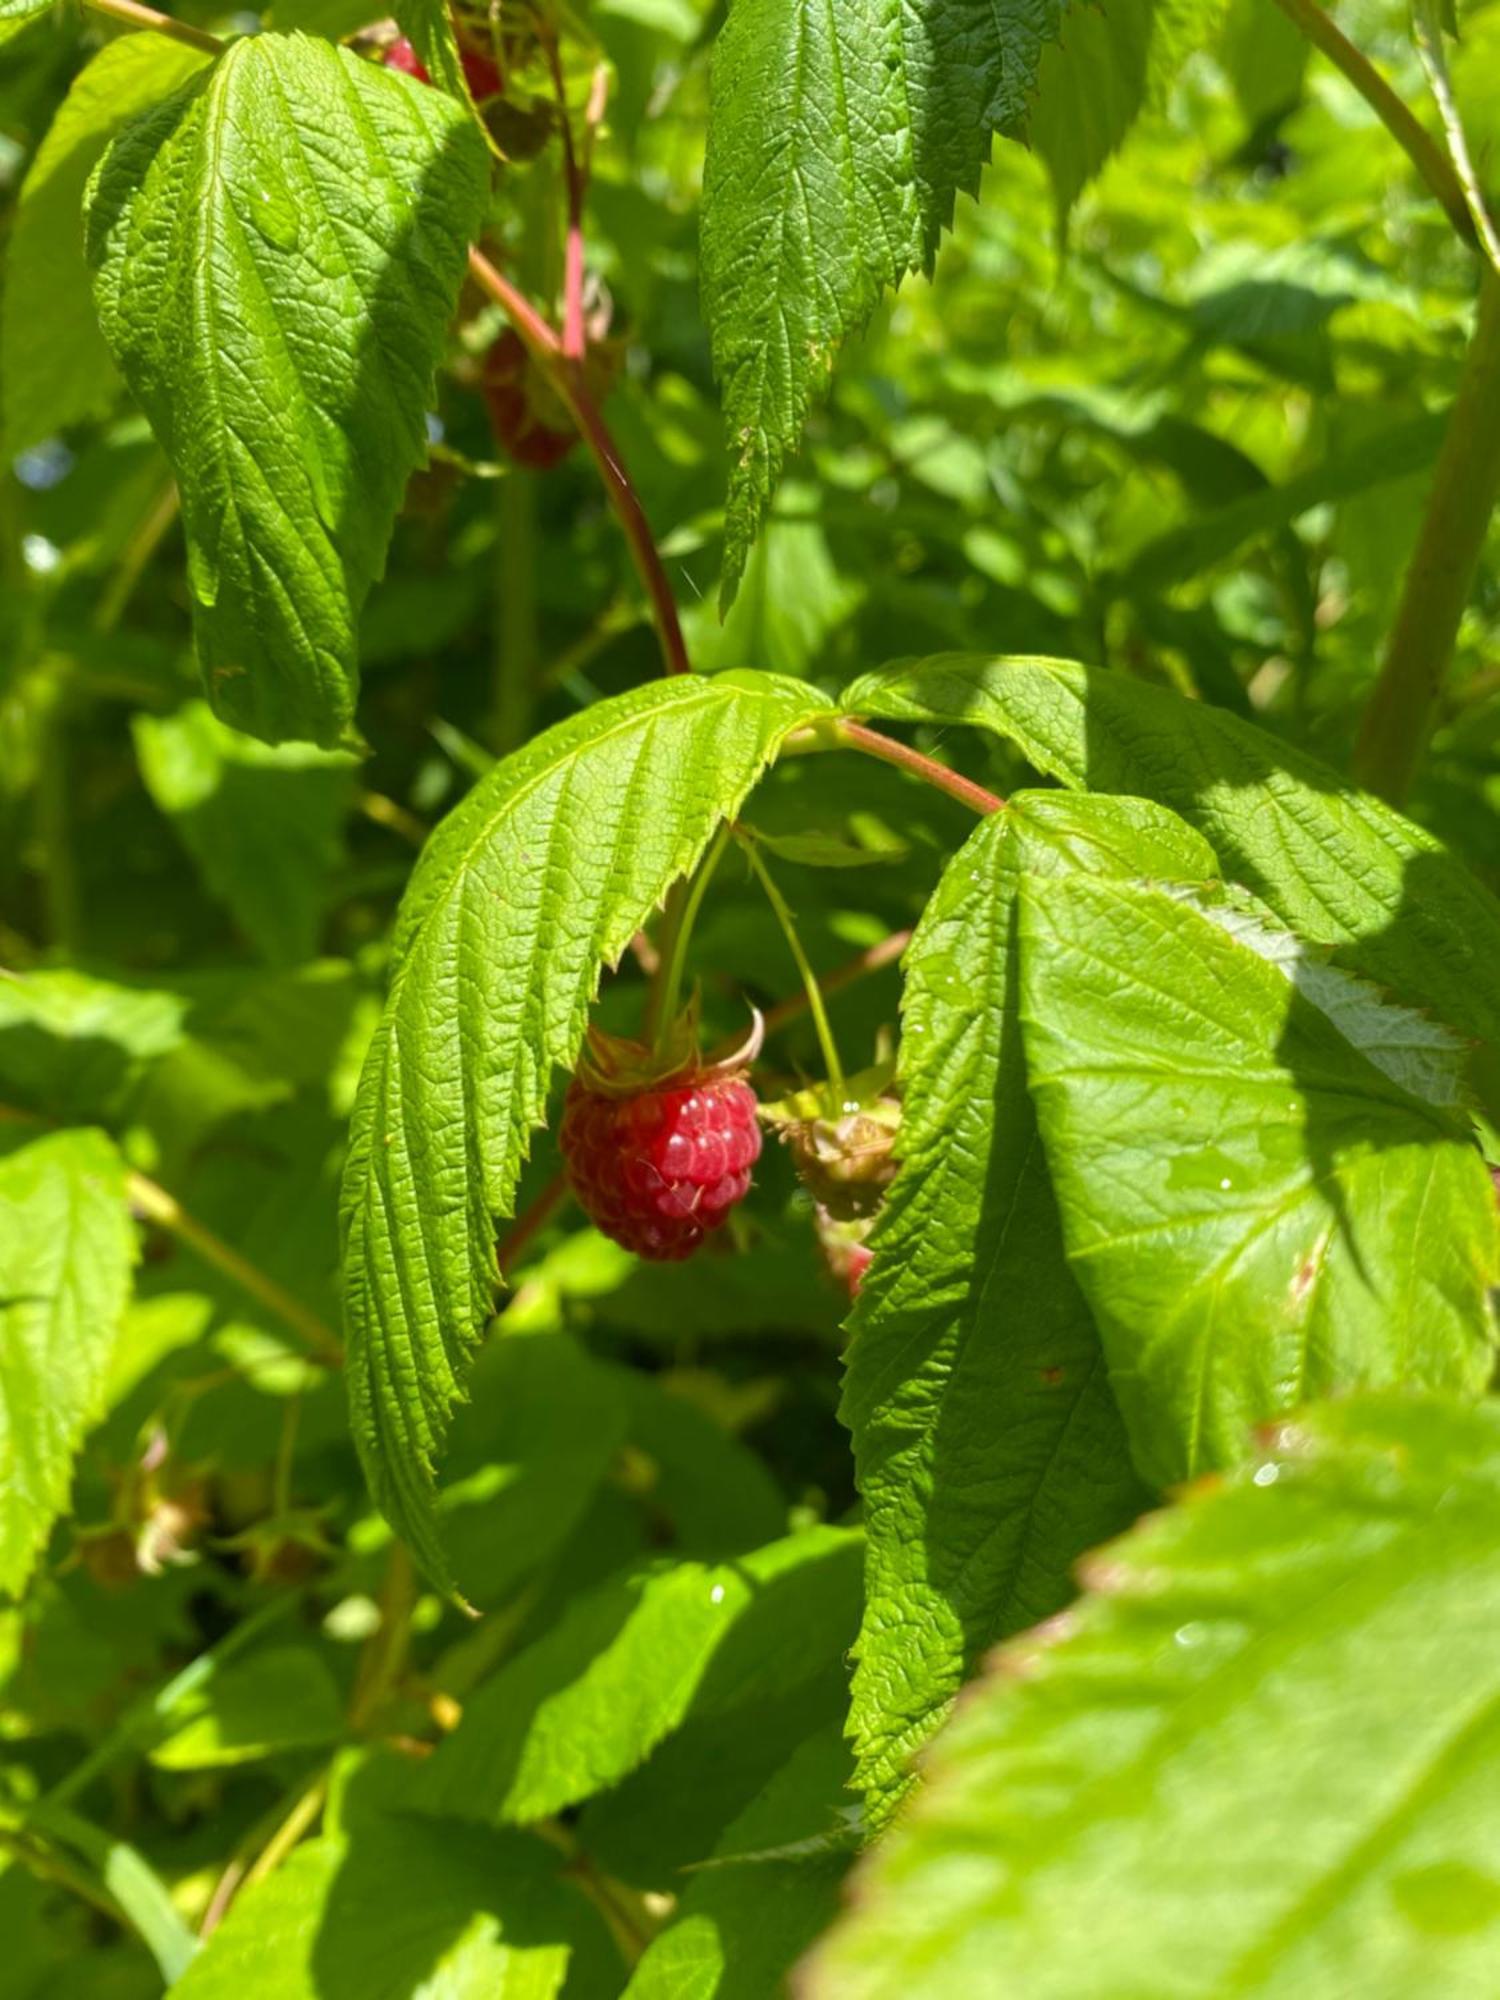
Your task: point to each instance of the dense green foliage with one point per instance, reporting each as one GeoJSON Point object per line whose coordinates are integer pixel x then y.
{"type": "Point", "coordinates": [1061, 445]}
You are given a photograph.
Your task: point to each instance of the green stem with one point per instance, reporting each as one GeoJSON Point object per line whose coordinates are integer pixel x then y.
{"type": "Point", "coordinates": [156, 1205]}
{"type": "Point", "coordinates": [810, 985]}
{"type": "Point", "coordinates": [144, 1724]}
{"type": "Point", "coordinates": [1465, 489]}
{"type": "Point", "coordinates": [1418, 144]}
{"type": "Point", "coordinates": [684, 900]}
{"type": "Point", "coordinates": [136, 16]}
{"type": "Point", "coordinates": [54, 835]}
{"type": "Point", "coordinates": [515, 614]}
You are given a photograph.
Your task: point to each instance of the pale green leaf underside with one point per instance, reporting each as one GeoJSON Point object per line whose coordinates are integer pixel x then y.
{"type": "Point", "coordinates": [587, 1703]}
{"type": "Point", "coordinates": [66, 1250]}
{"type": "Point", "coordinates": [988, 1447]}
{"type": "Point", "coordinates": [1257, 1214]}
{"type": "Point", "coordinates": [55, 368]}
{"type": "Point", "coordinates": [400, 1910]}
{"type": "Point", "coordinates": [837, 139]}
{"type": "Point", "coordinates": [277, 253]}
{"type": "Point", "coordinates": [541, 877]}
{"type": "Point", "coordinates": [261, 823]}
{"type": "Point", "coordinates": [1334, 864]}
{"type": "Point", "coordinates": [1263, 1759]}
{"type": "Point", "coordinates": [1112, 62]}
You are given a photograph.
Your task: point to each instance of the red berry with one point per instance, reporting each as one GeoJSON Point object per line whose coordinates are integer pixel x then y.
{"type": "Point", "coordinates": [658, 1168]}
{"type": "Point", "coordinates": [861, 1256]}
{"type": "Point", "coordinates": [402, 56]}
{"type": "Point", "coordinates": [481, 73]}
{"type": "Point", "coordinates": [520, 404]}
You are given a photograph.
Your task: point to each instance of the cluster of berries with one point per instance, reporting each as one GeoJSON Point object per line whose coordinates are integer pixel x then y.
{"type": "Point", "coordinates": [658, 1159]}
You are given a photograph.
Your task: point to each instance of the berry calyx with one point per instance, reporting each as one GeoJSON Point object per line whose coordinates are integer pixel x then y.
{"type": "Point", "coordinates": [657, 1162]}
{"type": "Point", "coordinates": [844, 1153]}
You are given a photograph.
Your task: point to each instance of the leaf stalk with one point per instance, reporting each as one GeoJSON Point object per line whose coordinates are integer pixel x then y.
{"type": "Point", "coordinates": [1418, 144]}
{"type": "Point", "coordinates": [1466, 486]}
{"type": "Point", "coordinates": [889, 751]}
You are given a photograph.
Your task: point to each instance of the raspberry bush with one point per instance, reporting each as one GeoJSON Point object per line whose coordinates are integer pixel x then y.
{"type": "Point", "coordinates": [749, 989]}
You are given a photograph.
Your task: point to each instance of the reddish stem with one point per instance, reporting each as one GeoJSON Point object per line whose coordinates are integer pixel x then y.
{"type": "Point", "coordinates": [567, 379]}
{"type": "Point", "coordinates": [531, 1224]}
{"type": "Point", "coordinates": [931, 772]}
{"type": "Point", "coordinates": [795, 1004]}
{"type": "Point", "coordinates": [575, 336]}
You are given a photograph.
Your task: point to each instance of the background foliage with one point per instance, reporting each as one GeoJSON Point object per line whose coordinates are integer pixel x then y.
{"type": "Point", "coordinates": [1195, 1040]}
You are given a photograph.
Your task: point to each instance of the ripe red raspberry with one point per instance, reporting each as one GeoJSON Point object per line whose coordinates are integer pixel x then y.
{"type": "Point", "coordinates": [480, 71]}
{"type": "Point", "coordinates": [661, 1166]}
{"type": "Point", "coordinates": [400, 55]}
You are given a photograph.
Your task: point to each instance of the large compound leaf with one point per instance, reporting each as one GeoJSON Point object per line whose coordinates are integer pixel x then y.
{"type": "Point", "coordinates": [277, 253]}
{"type": "Point", "coordinates": [988, 1447]}
{"type": "Point", "coordinates": [542, 876]}
{"type": "Point", "coordinates": [1257, 1211]}
{"type": "Point", "coordinates": [1334, 864]}
{"type": "Point", "coordinates": [66, 1250]}
{"type": "Point", "coordinates": [1263, 1758]}
{"type": "Point", "coordinates": [405, 1909]}
{"type": "Point", "coordinates": [837, 139]}
{"type": "Point", "coordinates": [631, 1661]}
{"type": "Point", "coordinates": [54, 366]}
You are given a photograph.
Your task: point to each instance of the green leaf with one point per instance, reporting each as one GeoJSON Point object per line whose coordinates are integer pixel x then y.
{"type": "Point", "coordinates": [124, 1875]}
{"type": "Point", "coordinates": [73, 1046]}
{"type": "Point", "coordinates": [277, 252]}
{"type": "Point", "coordinates": [1265, 57]}
{"type": "Point", "coordinates": [404, 1910]}
{"type": "Point", "coordinates": [18, 14]}
{"type": "Point", "coordinates": [1262, 1757]}
{"type": "Point", "coordinates": [773, 1886]}
{"type": "Point", "coordinates": [55, 368]}
{"type": "Point", "coordinates": [629, 1663]}
{"type": "Point", "coordinates": [263, 824]}
{"type": "Point", "coordinates": [542, 875]}
{"type": "Point", "coordinates": [282, 1698]}
{"type": "Point", "coordinates": [541, 1426]}
{"type": "Point", "coordinates": [1113, 61]}
{"type": "Point", "coordinates": [428, 26]}
{"type": "Point", "coordinates": [1333, 864]}
{"type": "Point", "coordinates": [987, 1444]}
{"type": "Point", "coordinates": [837, 140]}
{"type": "Point", "coordinates": [66, 1250]}
{"type": "Point", "coordinates": [716, 1492]}
{"type": "Point", "coordinates": [1240, 1186]}
{"type": "Point", "coordinates": [1210, 536]}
